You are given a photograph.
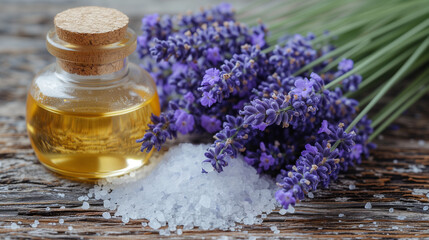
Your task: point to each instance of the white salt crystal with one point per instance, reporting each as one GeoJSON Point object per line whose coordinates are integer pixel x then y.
{"type": "Point", "coordinates": [85, 205]}
{"type": "Point", "coordinates": [360, 225]}
{"type": "Point", "coordinates": [19, 222]}
{"type": "Point", "coordinates": [352, 187]}
{"type": "Point", "coordinates": [341, 215]}
{"type": "Point", "coordinates": [14, 226]}
{"type": "Point", "coordinates": [61, 195]}
{"type": "Point", "coordinates": [401, 217]}
{"type": "Point", "coordinates": [381, 196]}
{"type": "Point", "coordinates": [35, 224]}
{"type": "Point", "coordinates": [282, 211]}
{"type": "Point", "coordinates": [106, 203]}
{"type": "Point", "coordinates": [252, 238]}
{"type": "Point", "coordinates": [290, 209]}
{"type": "Point", "coordinates": [425, 208]}
{"type": "Point", "coordinates": [427, 195]}
{"type": "Point", "coordinates": [160, 216]}
{"type": "Point", "coordinates": [391, 210]}
{"type": "Point", "coordinates": [106, 215]}
{"type": "Point", "coordinates": [395, 227]}
{"type": "Point", "coordinates": [62, 207]}
{"type": "Point", "coordinates": [70, 228]}
{"type": "Point", "coordinates": [144, 224]}
{"type": "Point", "coordinates": [176, 193]}
{"type": "Point", "coordinates": [264, 215]}
{"type": "Point", "coordinates": [125, 219]}
{"type": "Point", "coordinates": [61, 221]}
{"type": "Point", "coordinates": [276, 231]}
{"type": "Point", "coordinates": [310, 195]}
{"type": "Point", "coordinates": [341, 199]}
{"type": "Point", "coordinates": [375, 223]}
{"type": "Point", "coordinates": [368, 205]}
{"type": "Point", "coordinates": [81, 198]}
{"type": "Point", "coordinates": [154, 224]}
{"type": "Point", "coordinates": [421, 142]}
{"type": "Point", "coordinates": [273, 228]}
{"type": "Point", "coordinates": [205, 201]}
{"type": "Point", "coordinates": [47, 209]}
{"type": "Point", "coordinates": [395, 161]}
{"type": "Point", "coordinates": [179, 231]}
{"type": "Point", "coordinates": [207, 166]}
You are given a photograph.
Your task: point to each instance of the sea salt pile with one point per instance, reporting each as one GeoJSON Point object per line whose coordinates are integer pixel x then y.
{"type": "Point", "coordinates": [176, 193]}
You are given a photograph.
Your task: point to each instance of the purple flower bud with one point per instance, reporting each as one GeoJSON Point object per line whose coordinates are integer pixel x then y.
{"type": "Point", "coordinates": [210, 124]}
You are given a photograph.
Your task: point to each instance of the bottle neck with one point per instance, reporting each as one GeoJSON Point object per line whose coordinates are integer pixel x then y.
{"type": "Point", "coordinates": [88, 73]}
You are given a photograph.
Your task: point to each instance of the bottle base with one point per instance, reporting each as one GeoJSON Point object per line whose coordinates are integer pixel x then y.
{"type": "Point", "coordinates": [92, 167]}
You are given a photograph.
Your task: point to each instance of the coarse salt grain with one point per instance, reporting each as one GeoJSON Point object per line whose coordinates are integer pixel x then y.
{"type": "Point", "coordinates": [425, 208]}
{"type": "Point", "coordinates": [85, 205]}
{"type": "Point", "coordinates": [368, 205]}
{"type": "Point", "coordinates": [106, 215]}
{"type": "Point", "coordinates": [352, 187]}
{"type": "Point", "coordinates": [341, 215]}
{"type": "Point", "coordinates": [379, 196]}
{"type": "Point", "coordinates": [282, 211]}
{"type": "Point", "coordinates": [310, 195]}
{"type": "Point", "coordinates": [391, 210]}
{"type": "Point", "coordinates": [47, 209]}
{"type": "Point", "coordinates": [290, 209]}
{"type": "Point", "coordinates": [14, 226]}
{"type": "Point", "coordinates": [70, 228]}
{"type": "Point", "coordinates": [401, 217]}
{"type": "Point", "coordinates": [35, 224]}
{"type": "Point", "coordinates": [208, 201]}
{"type": "Point", "coordinates": [61, 221]}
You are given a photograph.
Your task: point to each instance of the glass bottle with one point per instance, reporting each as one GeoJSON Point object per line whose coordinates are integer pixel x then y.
{"type": "Point", "coordinates": [86, 111]}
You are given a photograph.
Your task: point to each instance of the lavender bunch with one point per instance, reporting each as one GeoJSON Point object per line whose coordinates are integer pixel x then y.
{"type": "Point", "coordinates": [220, 77]}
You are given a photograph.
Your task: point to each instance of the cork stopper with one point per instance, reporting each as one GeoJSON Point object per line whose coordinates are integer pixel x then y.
{"type": "Point", "coordinates": [92, 26]}
{"type": "Point", "coordinates": [91, 40]}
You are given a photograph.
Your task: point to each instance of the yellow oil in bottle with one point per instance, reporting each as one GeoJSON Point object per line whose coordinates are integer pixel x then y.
{"type": "Point", "coordinates": [89, 145]}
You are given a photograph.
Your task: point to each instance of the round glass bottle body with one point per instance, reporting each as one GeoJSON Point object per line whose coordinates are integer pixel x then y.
{"type": "Point", "coordinates": [86, 127]}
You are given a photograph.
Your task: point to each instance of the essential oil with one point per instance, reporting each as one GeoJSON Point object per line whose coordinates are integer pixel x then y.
{"type": "Point", "coordinates": [85, 113]}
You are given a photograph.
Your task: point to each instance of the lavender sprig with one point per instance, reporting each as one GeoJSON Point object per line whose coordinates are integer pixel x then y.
{"type": "Point", "coordinates": [317, 164]}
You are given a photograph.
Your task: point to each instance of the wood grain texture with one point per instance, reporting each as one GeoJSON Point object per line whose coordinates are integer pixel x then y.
{"type": "Point", "coordinates": [396, 176]}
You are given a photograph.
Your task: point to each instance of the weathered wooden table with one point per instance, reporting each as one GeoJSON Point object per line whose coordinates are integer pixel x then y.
{"type": "Point", "coordinates": [397, 175]}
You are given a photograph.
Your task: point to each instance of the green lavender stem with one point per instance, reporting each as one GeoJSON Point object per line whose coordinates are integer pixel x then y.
{"type": "Point", "coordinates": [398, 112]}
{"type": "Point", "coordinates": [400, 99]}
{"type": "Point", "coordinates": [386, 87]}
{"type": "Point", "coordinates": [399, 42]}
